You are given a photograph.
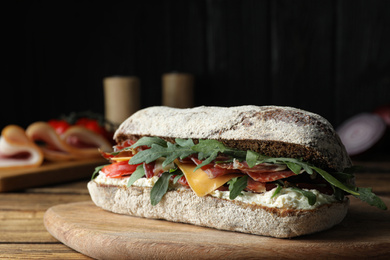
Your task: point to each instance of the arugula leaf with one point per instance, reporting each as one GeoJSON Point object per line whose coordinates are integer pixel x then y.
{"type": "Point", "coordinates": [338, 193]}
{"type": "Point", "coordinates": [137, 174]}
{"type": "Point", "coordinates": [150, 155]}
{"type": "Point", "coordinates": [237, 185]}
{"type": "Point", "coordinates": [177, 177]}
{"type": "Point", "coordinates": [209, 150]}
{"type": "Point", "coordinates": [160, 188]}
{"type": "Point", "coordinates": [343, 176]}
{"type": "Point", "coordinates": [181, 149]}
{"type": "Point", "coordinates": [291, 162]}
{"type": "Point", "coordinates": [206, 148]}
{"type": "Point", "coordinates": [185, 143]}
{"type": "Point", "coordinates": [97, 170]}
{"type": "Point", "coordinates": [311, 197]}
{"type": "Point", "coordinates": [294, 167]}
{"type": "Point", "coordinates": [149, 141]}
{"type": "Point", "coordinates": [335, 182]}
{"type": "Point", "coordinates": [169, 151]}
{"type": "Point", "coordinates": [277, 190]}
{"type": "Point", "coordinates": [366, 195]}
{"type": "Point", "coordinates": [210, 158]}
{"type": "Point", "coordinates": [251, 158]}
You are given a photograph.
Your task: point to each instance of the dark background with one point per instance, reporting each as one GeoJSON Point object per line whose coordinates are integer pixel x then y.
{"type": "Point", "coordinates": [329, 57]}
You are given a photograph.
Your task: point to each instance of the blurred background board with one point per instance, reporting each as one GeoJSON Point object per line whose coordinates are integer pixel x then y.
{"type": "Point", "coordinates": [329, 57]}
{"type": "Point", "coordinates": [47, 174]}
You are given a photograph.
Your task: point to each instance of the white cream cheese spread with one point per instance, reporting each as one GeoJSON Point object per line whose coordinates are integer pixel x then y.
{"type": "Point", "coordinates": [286, 198]}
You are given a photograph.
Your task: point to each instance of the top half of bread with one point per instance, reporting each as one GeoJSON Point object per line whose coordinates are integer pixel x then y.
{"type": "Point", "coordinates": [270, 130]}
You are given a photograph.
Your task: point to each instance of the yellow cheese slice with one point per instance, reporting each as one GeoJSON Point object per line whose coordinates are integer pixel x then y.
{"type": "Point", "coordinates": [200, 182]}
{"type": "Point", "coordinates": [120, 159]}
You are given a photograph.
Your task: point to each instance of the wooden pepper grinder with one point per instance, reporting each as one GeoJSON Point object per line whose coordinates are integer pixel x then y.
{"type": "Point", "coordinates": [121, 97]}
{"type": "Point", "coordinates": [178, 90]}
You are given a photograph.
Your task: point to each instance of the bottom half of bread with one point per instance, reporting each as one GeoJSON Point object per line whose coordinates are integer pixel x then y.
{"type": "Point", "coordinates": [184, 206]}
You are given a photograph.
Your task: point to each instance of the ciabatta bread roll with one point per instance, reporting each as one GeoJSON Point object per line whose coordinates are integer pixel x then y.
{"type": "Point", "coordinates": [272, 171]}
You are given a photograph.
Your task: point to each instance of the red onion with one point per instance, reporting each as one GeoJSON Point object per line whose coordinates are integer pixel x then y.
{"type": "Point", "coordinates": [361, 133]}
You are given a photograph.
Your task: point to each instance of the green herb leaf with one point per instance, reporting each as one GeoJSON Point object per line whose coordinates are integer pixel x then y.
{"type": "Point", "coordinates": [169, 151]}
{"type": "Point", "coordinates": [366, 195]}
{"type": "Point", "coordinates": [181, 149]}
{"type": "Point", "coordinates": [293, 164]}
{"type": "Point", "coordinates": [208, 151]}
{"type": "Point", "coordinates": [177, 177]}
{"type": "Point", "coordinates": [332, 180]}
{"type": "Point", "coordinates": [185, 142]}
{"type": "Point", "coordinates": [206, 148]}
{"type": "Point", "coordinates": [137, 174]}
{"type": "Point", "coordinates": [237, 185]}
{"type": "Point", "coordinates": [311, 197]}
{"type": "Point", "coordinates": [342, 176]}
{"type": "Point", "coordinates": [149, 155]}
{"type": "Point", "coordinates": [294, 167]}
{"type": "Point", "coordinates": [160, 188]}
{"type": "Point", "coordinates": [210, 158]}
{"type": "Point", "coordinates": [251, 158]}
{"type": "Point", "coordinates": [338, 193]}
{"type": "Point", "coordinates": [97, 170]}
{"type": "Point", "coordinates": [277, 190]}
{"type": "Point", "coordinates": [149, 141]}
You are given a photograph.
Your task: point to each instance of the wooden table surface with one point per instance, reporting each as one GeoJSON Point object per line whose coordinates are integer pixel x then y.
{"type": "Point", "coordinates": [23, 235]}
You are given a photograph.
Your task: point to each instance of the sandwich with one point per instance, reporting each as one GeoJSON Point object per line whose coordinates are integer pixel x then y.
{"type": "Point", "coordinates": [271, 171]}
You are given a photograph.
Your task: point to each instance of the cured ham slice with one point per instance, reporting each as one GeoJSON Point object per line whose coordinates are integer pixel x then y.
{"type": "Point", "coordinates": [76, 143]}
{"type": "Point", "coordinates": [270, 176]}
{"type": "Point", "coordinates": [212, 171]}
{"type": "Point", "coordinates": [17, 150]}
{"type": "Point", "coordinates": [86, 141]}
{"type": "Point", "coordinates": [53, 147]}
{"type": "Point", "coordinates": [259, 187]}
{"type": "Point", "coordinates": [264, 172]}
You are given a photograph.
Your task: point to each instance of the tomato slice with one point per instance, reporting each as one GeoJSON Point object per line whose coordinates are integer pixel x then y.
{"type": "Point", "coordinates": [119, 169]}
{"type": "Point", "coordinates": [60, 126]}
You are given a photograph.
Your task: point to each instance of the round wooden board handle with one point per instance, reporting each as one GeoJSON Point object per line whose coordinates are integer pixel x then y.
{"type": "Point", "coordinates": [121, 97]}
{"type": "Point", "coordinates": [178, 90]}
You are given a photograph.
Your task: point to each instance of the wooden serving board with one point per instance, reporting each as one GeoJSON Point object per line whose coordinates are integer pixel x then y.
{"type": "Point", "coordinates": [104, 235]}
{"type": "Point", "coordinates": [47, 173]}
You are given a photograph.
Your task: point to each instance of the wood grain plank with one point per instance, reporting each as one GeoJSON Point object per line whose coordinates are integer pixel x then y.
{"type": "Point", "coordinates": [38, 251]}
{"type": "Point", "coordinates": [47, 173]}
{"type": "Point", "coordinates": [23, 227]}
{"type": "Point", "coordinates": [75, 188]}
{"type": "Point", "coordinates": [36, 202]}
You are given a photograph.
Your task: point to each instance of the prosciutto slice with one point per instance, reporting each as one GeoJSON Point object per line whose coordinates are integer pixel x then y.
{"type": "Point", "coordinates": [264, 172]}
{"type": "Point", "coordinates": [86, 141]}
{"type": "Point", "coordinates": [53, 147]}
{"type": "Point", "coordinates": [76, 143]}
{"type": "Point", "coordinates": [17, 150]}
{"type": "Point", "coordinates": [259, 187]}
{"type": "Point", "coordinates": [213, 171]}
